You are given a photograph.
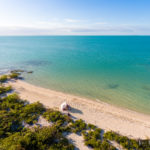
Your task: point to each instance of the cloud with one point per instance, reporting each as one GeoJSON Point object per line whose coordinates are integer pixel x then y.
{"type": "Point", "coordinates": [101, 23]}
{"type": "Point", "coordinates": [72, 20]}
{"type": "Point", "coordinates": [58, 27]}
{"type": "Point", "coordinates": [103, 31]}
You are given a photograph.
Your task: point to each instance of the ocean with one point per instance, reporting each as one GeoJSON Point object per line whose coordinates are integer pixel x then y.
{"type": "Point", "coordinates": [113, 69]}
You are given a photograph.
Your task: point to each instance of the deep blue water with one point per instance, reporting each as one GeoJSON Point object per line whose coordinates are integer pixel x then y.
{"type": "Point", "coordinates": [114, 69]}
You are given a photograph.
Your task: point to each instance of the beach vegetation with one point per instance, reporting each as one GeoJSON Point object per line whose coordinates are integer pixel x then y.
{"type": "Point", "coordinates": [126, 142]}
{"type": "Point", "coordinates": [54, 116]}
{"type": "Point", "coordinates": [93, 139]}
{"type": "Point", "coordinates": [91, 126]}
{"type": "Point", "coordinates": [31, 112]}
{"type": "Point", "coordinates": [5, 89]}
{"type": "Point", "coordinates": [12, 103]}
{"type": "Point", "coordinates": [13, 135]}
{"type": "Point", "coordinates": [3, 78]}
{"type": "Point", "coordinates": [78, 126]}
{"type": "Point", "coordinates": [46, 138]}
{"type": "Point", "coordinates": [14, 75]}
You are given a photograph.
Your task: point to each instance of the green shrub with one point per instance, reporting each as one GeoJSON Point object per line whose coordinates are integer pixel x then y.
{"type": "Point", "coordinates": [91, 126]}
{"type": "Point", "coordinates": [78, 126]}
{"type": "Point", "coordinates": [9, 123]}
{"type": "Point", "coordinates": [93, 134]}
{"type": "Point", "coordinates": [40, 139]}
{"type": "Point", "coordinates": [54, 116]}
{"type": "Point", "coordinates": [14, 75]}
{"type": "Point", "coordinates": [12, 98]}
{"type": "Point", "coordinates": [31, 112]}
{"type": "Point", "coordinates": [3, 78]}
{"type": "Point", "coordinates": [5, 89]}
{"type": "Point", "coordinates": [12, 103]}
{"type": "Point", "coordinates": [105, 145]}
{"type": "Point", "coordinates": [93, 140]}
{"type": "Point", "coordinates": [126, 142]}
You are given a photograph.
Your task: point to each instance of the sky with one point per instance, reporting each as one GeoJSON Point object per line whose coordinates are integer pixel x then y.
{"type": "Point", "coordinates": [74, 17]}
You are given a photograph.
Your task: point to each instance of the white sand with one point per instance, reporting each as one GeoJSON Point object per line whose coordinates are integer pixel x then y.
{"type": "Point", "coordinates": [77, 141]}
{"type": "Point", "coordinates": [105, 116]}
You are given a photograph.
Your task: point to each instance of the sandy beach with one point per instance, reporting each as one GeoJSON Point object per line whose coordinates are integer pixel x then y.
{"type": "Point", "coordinates": [105, 116]}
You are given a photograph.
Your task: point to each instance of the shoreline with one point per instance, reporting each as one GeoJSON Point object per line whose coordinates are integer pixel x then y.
{"type": "Point", "coordinates": [106, 116]}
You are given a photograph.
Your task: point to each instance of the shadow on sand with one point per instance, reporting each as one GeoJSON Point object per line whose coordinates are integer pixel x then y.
{"type": "Point", "coordinates": [74, 110]}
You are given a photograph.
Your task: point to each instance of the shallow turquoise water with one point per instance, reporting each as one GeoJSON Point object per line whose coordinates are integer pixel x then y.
{"type": "Point", "coordinates": [114, 69]}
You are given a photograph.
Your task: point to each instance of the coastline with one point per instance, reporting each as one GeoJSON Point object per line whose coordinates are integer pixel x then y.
{"type": "Point", "coordinates": [105, 116]}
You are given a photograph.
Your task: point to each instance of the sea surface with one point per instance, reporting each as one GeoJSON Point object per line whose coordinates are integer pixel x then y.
{"type": "Point", "coordinates": [113, 69]}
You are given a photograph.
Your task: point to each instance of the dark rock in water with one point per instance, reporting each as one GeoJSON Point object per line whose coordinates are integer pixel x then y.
{"type": "Point", "coordinates": [36, 63]}
{"type": "Point", "coordinates": [30, 72]}
{"type": "Point", "coordinates": [113, 86]}
{"type": "Point", "coordinates": [17, 71]}
{"type": "Point", "coordinates": [146, 87]}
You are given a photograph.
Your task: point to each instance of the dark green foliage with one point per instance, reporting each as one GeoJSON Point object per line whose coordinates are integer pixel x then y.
{"type": "Point", "coordinates": [105, 145]}
{"type": "Point", "coordinates": [13, 136]}
{"type": "Point", "coordinates": [9, 123]}
{"type": "Point", "coordinates": [45, 138]}
{"type": "Point", "coordinates": [54, 116]}
{"type": "Point", "coordinates": [91, 126]}
{"type": "Point", "coordinates": [126, 142]}
{"type": "Point", "coordinates": [12, 103]}
{"type": "Point", "coordinates": [10, 120]}
{"type": "Point", "coordinates": [5, 89]}
{"type": "Point", "coordinates": [31, 112]}
{"type": "Point", "coordinates": [78, 126]}
{"type": "Point", "coordinates": [3, 78]}
{"type": "Point", "coordinates": [14, 75]}
{"type": "Point", "coordinates": [144, 144]}
{"type": "Point", "coordinates": [93, 140]}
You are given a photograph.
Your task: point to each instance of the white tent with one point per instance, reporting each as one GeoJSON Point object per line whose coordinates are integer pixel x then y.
{"type": "Point", "coordinates": [64, 106]}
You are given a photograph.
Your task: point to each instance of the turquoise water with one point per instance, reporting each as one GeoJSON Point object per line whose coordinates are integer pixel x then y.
{"type": "Point", "coordinates": [114, 69]}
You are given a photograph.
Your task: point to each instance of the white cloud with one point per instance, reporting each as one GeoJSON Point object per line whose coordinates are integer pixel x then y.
{"type": "Point", "coordinates": [101, 23]}
{"type": "Point", "coordinates": [72, 20]}
{"type": "Point", "coordinates": [71, 27]}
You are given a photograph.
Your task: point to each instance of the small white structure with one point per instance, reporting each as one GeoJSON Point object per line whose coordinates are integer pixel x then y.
{"type": "Point", "coordinates": [64, 106]}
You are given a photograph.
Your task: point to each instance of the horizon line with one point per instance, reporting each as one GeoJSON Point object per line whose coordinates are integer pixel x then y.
{"type": "Point", "coordinates": [80, 35]}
